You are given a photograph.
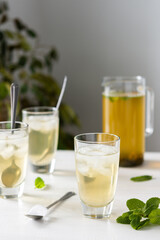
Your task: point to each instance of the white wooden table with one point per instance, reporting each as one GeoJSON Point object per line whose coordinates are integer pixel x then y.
{"type": "Point", "coordinates": [66, 221]}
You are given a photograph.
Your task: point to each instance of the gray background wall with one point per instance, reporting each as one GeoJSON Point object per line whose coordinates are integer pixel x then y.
{"type": "Point", "coordinates": [97, 38]}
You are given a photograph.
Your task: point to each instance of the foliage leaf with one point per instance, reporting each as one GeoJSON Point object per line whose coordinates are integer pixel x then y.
{"type": "Point", "coordinates": [39, 93]}
{"type": "Point", "coordinates": [68, 116]}
{"type": "Point", "coordinates": [135, 221]}
{"type": "Point", "coordinates": [138, 211]}
{"type": "Point", "coordinates": [154, 216]}
{"type": "Point", "coordinates": [25, 45]}
{"type": "Point", "coordinates": [112, 99]}
{"type": "Point", "coordinates": [13, 67]}
{"type": "Point", "coordinates": [24, 88]}
{"type": "Point", "coordinates": [124, 219]}
{"type": "Point", "coordinates": [141, 178]}
{"type": "Point", "coordinates": [4, 19]}
{"type": "Point", "coordinates": [39, 183]}
{"type": "Point", "coordinates": [66, 140]}
{"type": "Point", "coordinates": [9, 34]}
{"type": "Point", "coordinates": [143, 223]}
{"type": "Point", "coordinates": [1, 36]}
{"type": "Point", "coordinates": [31, 33]}
{"type": "Point", "coordinates": [12, 47]}
{"type": "Point", "coordinates": [22, 61]}
{"type": "Point", "coordinates": [3, 53]}
{"type": "Point", "coordinates": [22, 74]}
{"type": "Point", "coordinates": [150, 205]}
{"type": "Point", "coordinates": [3, 90]}
{"type": "Point", "coordinates": [135, 203]}
{"type": "Point", "coordinates": [3, 6]}
{"type": "Point", "coordinates": [19, 24]}
{"type": "Point", "coordinates": [6, 75]}
{"type": "Point", "coordinates": [35, 63]}
{"type": "Point", "coordinates": [48, 62]}
{"type": "Point", "coordinates": [47, 82]}
{"type": "Point", "coordinates": [53, 54]}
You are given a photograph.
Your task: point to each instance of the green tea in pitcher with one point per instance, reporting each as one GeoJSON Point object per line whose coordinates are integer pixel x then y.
{"type": "Point", "coordinates": [124, 115]}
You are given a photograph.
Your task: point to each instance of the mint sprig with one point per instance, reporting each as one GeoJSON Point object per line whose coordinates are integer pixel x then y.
{"type": "Point", "coordinates": [39, 183]}
{"type": "Point", "coordinates": [141, 214]}
{"type": "Point", "coordinates": [141, 178]}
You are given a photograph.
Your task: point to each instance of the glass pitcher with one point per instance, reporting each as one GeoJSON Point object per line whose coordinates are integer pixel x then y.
{"type": "Point", "coordinates": [128, 109]}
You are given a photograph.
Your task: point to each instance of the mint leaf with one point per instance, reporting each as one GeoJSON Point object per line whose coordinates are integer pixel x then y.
{"type": "Point", "coordinates": [154, 216]}
{"type": "Point", "coordinates": [39, 183]}
{"type": "Point", "coordinates": [153, 201]}
{"type": "Point", "coordinates": [124, 219]}
{"type": "Point", "coordinates": [135, 220]}
{"type": "Point", "coordinates": [141, 178]}
{"type": "Point", "coordinates": [150, 205]}
{"type": "Point", "coordinates": [124, 98]}
{"type": "Point", "coordinates": [143, 223]}
{"type": "Point", "coordinates": [138, 212]}
{"type": "Point", "coordinates": [135, 203]}
{"type": "Point", "coordinates": [113, 99]}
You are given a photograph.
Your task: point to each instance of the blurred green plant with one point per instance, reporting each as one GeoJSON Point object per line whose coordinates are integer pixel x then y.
{"type": "Point", "coordinates": [25, 61]}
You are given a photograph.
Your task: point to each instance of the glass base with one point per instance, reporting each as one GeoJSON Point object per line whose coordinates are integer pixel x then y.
{"type": "Point", "coordinates": [97, 213]}
{"type": "Point", "coordinates": [12, 192]}
{"type": "Point", "coordinates": [44, 168]}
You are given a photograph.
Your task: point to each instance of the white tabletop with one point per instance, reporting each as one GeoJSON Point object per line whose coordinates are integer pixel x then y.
{"type": "Point", "coordinates": [66, 221]}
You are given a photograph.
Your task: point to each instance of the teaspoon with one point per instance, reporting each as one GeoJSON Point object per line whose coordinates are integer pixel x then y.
{"type": "Point", "coordinates": [38, 211]}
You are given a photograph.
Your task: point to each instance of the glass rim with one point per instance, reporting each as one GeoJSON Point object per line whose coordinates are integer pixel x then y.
{"type": "Point", "coordinates": [23, 124]}
{"type": "Point", "coordinates": [97, 142]}
{"type": "Point", "coordinates": [40, 110]}
{"type": "Point", "coordinates": [109, 79]}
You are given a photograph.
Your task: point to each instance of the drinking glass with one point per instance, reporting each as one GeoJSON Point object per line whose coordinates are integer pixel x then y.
{"type": "Point", "coordinates": [97, 161]}
{"type": "Point", "coordinates": [43, 137]}
{"type": "Point", "coordinates": [13, 158]}
{"type": "Point", "coordinates": [127, 109]}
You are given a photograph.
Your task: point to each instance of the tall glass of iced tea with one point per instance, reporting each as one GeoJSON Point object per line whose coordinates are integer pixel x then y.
{"type": "Point", "coordinates": [43, 137]}
{"type": "Point", "coordinates": [123, 108]}
{"type": "Point", "coordinates": [13, 158]}
{"type": "Point", "coordinates": [97, 161]}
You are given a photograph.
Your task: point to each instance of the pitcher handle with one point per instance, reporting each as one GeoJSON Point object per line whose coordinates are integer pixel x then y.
{"type": "Point", "coordinates": [149, 112]}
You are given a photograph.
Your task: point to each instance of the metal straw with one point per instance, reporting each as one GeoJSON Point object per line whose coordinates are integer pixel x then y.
{"type": "Point", "coordinates": [62, 92]}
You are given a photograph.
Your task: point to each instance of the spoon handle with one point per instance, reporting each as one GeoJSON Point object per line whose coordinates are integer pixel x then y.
{"type": "Point", "coordinates": [66, 196]}
{"type": "Point", "coordinates": [11, 94]}
{"type": "Point", "coordinates": [14, 99]}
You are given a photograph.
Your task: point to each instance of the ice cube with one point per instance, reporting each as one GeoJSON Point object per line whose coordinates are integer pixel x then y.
{"type": "Point", "coordinates": [4, 136]}
{"type": "Point", "coordinates": [19, 143]}
{"type": "Point", "coordinates": [82, 167]}
{"type": "Point", "coordinates": [21, 152]}
{"type": "Point", "coordinates": [107, 171]}
{"type": "Point", "coordinates": [2, 145]}
{"type": "Point", "coordinates": [35, 125]}
{"type": "Point", "coordinates": [8, 151]}
{"type": "Point", "coordinates": [82, 151]}
{"type": "Point", "coordinates": [17, 135]}
{"type": "Point", "coordinates": [49, 126]}
{"type": "Point", "coordinates": [43, 123]}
